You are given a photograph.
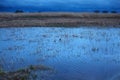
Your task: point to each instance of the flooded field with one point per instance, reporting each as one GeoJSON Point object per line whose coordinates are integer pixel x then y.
{"type": "Point", "coordinates": [60, 53]}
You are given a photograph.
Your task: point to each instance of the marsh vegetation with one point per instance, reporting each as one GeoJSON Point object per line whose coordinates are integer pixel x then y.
{"type": "Point", "coordinates": [60, 19]}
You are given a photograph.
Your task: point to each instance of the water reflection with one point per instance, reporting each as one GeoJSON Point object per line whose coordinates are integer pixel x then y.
{"type": "Point", "coordinates": [73, 53]}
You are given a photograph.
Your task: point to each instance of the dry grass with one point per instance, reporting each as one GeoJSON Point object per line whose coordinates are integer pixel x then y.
{"type": "Point", "coordinates": [58, 19]}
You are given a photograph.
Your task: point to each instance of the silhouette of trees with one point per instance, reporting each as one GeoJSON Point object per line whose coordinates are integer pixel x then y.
{"type": "Point", "coordinates": [105, 11]}
{"type": "Point", "coordinates": [113, 11]}
{"type": "Point", "coordinates": [97, 11]}
{"type": "Point", "coordinates": [19, 11]}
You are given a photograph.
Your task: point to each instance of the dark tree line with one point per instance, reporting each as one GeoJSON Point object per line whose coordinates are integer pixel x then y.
{"type": "Point", "coordinates": [19, 11]}
{"type": "Point", "coordinates": [105, 11]}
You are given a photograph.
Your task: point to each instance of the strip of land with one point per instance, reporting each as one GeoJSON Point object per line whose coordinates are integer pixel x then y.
{"type": "Point", "coordinates": [59, 19]}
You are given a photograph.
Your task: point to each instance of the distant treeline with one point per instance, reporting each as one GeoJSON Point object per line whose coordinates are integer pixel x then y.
{"type": "Point", "coordinates": [19, 11]}
{"type": "Point", "coordinates": [96, 11]}
{"type": "Point", "coordinates": [105, 11]}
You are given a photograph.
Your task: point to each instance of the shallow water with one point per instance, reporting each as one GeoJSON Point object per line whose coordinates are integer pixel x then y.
{"type": "Point", "coordinates": [73, 53]}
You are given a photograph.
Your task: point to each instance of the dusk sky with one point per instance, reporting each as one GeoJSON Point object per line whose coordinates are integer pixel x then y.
{"type": "Point", "coordinates": [73, 4]}
{"type": "Point", "coordinates": [44, 2]}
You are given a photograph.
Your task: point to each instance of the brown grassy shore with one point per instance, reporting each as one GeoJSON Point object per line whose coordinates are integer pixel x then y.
{"type": "Point", "coordinates": [59, 19]}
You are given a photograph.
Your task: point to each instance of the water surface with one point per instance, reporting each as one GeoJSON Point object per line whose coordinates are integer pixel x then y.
{"type": "Point", "coordinates": [74, 53]}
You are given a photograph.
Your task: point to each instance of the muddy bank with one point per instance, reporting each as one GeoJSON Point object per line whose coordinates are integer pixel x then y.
{"type": "Point", "coordinates": [59, 19]}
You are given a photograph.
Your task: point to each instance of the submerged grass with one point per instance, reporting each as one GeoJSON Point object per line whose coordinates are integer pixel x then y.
{"type": "Point", "coordinates": [2, 72]}
{"type": "Point", "coordinates": [23, 74]}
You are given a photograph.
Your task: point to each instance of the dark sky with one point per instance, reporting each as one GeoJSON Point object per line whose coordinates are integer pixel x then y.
{"type": "Point", "coordinates": [53, 2]}
{"type": "Point", "coordinates": [111, 4]}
